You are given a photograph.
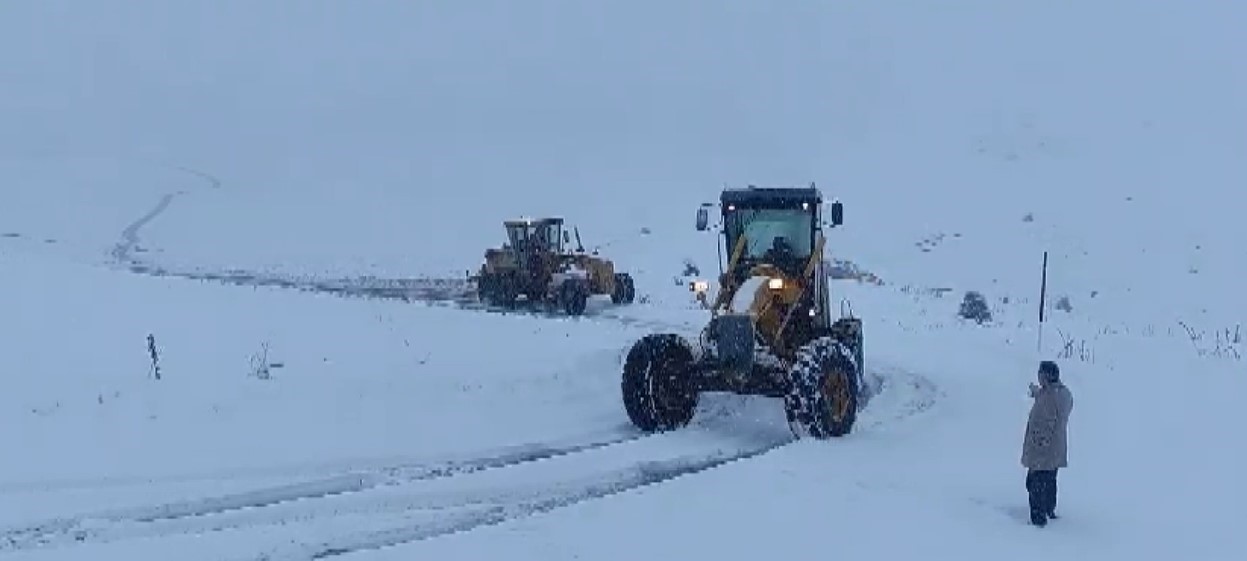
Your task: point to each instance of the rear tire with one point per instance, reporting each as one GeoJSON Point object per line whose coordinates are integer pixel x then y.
{"type": "Point", "coordinates": [618, 290]}
{"type": "Point", "coordinates": [630, 295]}
{"type": "Point", "coordinates": [625, 290]}
{"type": "Point", "coordinates": [655, 385]}
{"type": "Point", "coordinates": [822, 401]}
{"type": "Point", "coordinates": [848, 330]}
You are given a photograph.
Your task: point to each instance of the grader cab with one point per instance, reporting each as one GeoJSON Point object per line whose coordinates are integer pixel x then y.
{"type": "Point", "coordinates": [771, 330]}
{"type": "Point", "coordinates": [535, 264]}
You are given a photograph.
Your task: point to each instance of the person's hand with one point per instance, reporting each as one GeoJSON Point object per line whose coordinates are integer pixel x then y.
{"type": "Point", "coordinates": [1034, 389]}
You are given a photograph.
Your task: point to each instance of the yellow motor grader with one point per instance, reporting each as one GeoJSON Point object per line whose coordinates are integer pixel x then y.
{"type": "Point", "coordinates": [771, 331]}
{"type": "Point", "coordinates": [535, 265]}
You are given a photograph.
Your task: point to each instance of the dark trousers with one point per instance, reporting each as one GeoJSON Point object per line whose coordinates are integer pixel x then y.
{"type": "Point", "coordinates": [1041, 485]}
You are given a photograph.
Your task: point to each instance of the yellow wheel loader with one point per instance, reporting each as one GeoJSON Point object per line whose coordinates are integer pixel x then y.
{"type": "Point", "coordinates": [771, 331]}
{"type": "Point", "coordinates": [536, 265]}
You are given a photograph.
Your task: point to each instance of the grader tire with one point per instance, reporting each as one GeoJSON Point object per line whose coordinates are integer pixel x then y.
{"type": "Point", "coordinates": [655, 384]}
{"type": "Point", "coordinates": [822, 401]}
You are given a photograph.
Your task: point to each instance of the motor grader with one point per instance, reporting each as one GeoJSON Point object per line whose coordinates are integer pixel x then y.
{"type": "Point", "coordinates": [770, 333]}
{"type": "Point", "coordinates": [534, 265]}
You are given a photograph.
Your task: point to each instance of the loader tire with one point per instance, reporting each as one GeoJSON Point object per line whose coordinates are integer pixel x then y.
{"type": "Point", "coordinates": [822, 400]}
{"type": "Point", "coordinates": [655, 385]}
{"type": "Point", "coordinates": [497, 290]}
{"type": "Point", "coordinates": [506, 291]}
{"type": "Point", "coordinates": [625, 290]}
{"type": "Point", "coordinates": [573, 298]}
{"type": "Point", "coordinates": [631, 293]}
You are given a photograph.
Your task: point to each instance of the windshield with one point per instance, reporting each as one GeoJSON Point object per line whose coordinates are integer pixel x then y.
{"type": "Point", "coordinates": [779, 231]}
{"type": "Point", "coordinates": [532, 236]}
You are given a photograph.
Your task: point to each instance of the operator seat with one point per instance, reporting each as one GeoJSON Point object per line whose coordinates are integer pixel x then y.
{"type": "Point", "coordinates": [781, 255]}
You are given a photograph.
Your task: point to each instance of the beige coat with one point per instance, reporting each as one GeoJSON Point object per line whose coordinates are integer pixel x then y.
{"type": "Point", "coordinates": [1044, 445]}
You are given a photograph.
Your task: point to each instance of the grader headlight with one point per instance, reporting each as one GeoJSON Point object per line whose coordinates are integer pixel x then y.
{"type": "Point", "coordinates": [775, 284]}
{"type": "Point", "coordinates": [699, 287]}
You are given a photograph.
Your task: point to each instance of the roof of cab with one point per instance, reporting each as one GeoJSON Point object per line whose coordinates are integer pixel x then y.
{"type": "Point", "coordinates": [766, 196]}
{"type": "Point", "coordinates": [533, 221]}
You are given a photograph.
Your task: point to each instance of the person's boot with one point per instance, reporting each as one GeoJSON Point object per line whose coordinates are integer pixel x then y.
{"type": "Point", "coordinates": [1039, 517]}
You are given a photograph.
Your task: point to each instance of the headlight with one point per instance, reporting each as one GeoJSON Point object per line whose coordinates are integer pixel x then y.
{"type": "Point", "coordinates": [775, 284]}
{"type": "Point", "coordinates": [699, 286]}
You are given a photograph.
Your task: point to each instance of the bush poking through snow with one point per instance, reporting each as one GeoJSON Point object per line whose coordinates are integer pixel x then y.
{"type": "Point", "coordinates": [974, 307]}
{"type": "Point", "coordinates": [1072, 348]}
{"type": "Point", "coordinates": [1224, 343]}
{"type": "Point", "coordinates": [1063, 304]}
{"type": "Point", "coordinates": [155, 357]}
{"type": "Point", "coordinates": [259, 363]}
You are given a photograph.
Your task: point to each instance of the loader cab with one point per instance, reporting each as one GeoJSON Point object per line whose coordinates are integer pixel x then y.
{"type": "Point", "coordinates": [779, 226]}
{"type": "Point", "coordinates": [543, 235]}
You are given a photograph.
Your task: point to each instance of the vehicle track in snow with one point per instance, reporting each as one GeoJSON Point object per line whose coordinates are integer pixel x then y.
{"type": "Point", "coordinates": [641, 475]}
{"type": "Point", "coordinates": [90, 527]}
{"type": "Point", "coordinates": [374, 495]}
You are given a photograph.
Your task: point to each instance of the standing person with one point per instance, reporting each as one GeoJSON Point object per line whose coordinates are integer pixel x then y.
{"type": "Point", "coordinates": [1044, 445]}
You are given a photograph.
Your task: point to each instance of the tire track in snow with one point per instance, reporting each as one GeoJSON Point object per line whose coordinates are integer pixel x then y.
{"type": "Point", "coordinates": [129, 243]}
{"type": "Point", "coordinates": [92, 527]}
{"type": "Point", "coordinates": [639, 476]}
{"type": "Point", "coordinates": [483, 507]}
{"type": "Point", "coordinates": [130, 236]}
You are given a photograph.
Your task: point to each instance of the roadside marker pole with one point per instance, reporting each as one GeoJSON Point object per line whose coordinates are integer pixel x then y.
{"type": "Point", "coordinates": [1043, 291]}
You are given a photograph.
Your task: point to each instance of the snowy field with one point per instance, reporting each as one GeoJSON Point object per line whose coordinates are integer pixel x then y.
{"type": "Point", "coordinates": [304, 142]}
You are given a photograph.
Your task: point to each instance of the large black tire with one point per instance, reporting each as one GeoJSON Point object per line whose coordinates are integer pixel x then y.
{"type": "Point", "coordinates": [573, 298]}
{"type": "Point", "coordinates": [655, 385]}
{"type": "Point", "coordinates": [822, 401]}
{"type": "Point", "coordinates": [630, 295]}
{"type": "Point", "coordinates": [848, 330]}
{"type": "Point", "coordinates": [504, 290]}
{"type": "Point", "coordinates": [620, 290]}
{"type": "Point", "coordinates": [625, 290]}
{"type": "Point", "coordinates": [496, 289]}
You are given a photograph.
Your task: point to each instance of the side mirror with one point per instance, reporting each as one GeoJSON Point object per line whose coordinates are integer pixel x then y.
{"type": "Point", "coordinates": [837, 213]}
{"type": "Point", "coordinates": [703, 219]}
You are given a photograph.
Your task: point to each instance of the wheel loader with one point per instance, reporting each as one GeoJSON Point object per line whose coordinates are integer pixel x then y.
{"type": "Point", "coordinates": [534, 265]}
{"type": "Point", "coordinates": [770, 330]}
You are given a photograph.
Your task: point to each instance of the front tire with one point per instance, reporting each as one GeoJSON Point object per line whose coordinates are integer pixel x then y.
{"type": "Point", "coordinates": [655, 385]}
{"type": "Point", "coordinates": [573, 298]}
{"type": "Point", "coordinates": [498, 289]}
{"type": "Point", "coordinates": [822, 400]}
